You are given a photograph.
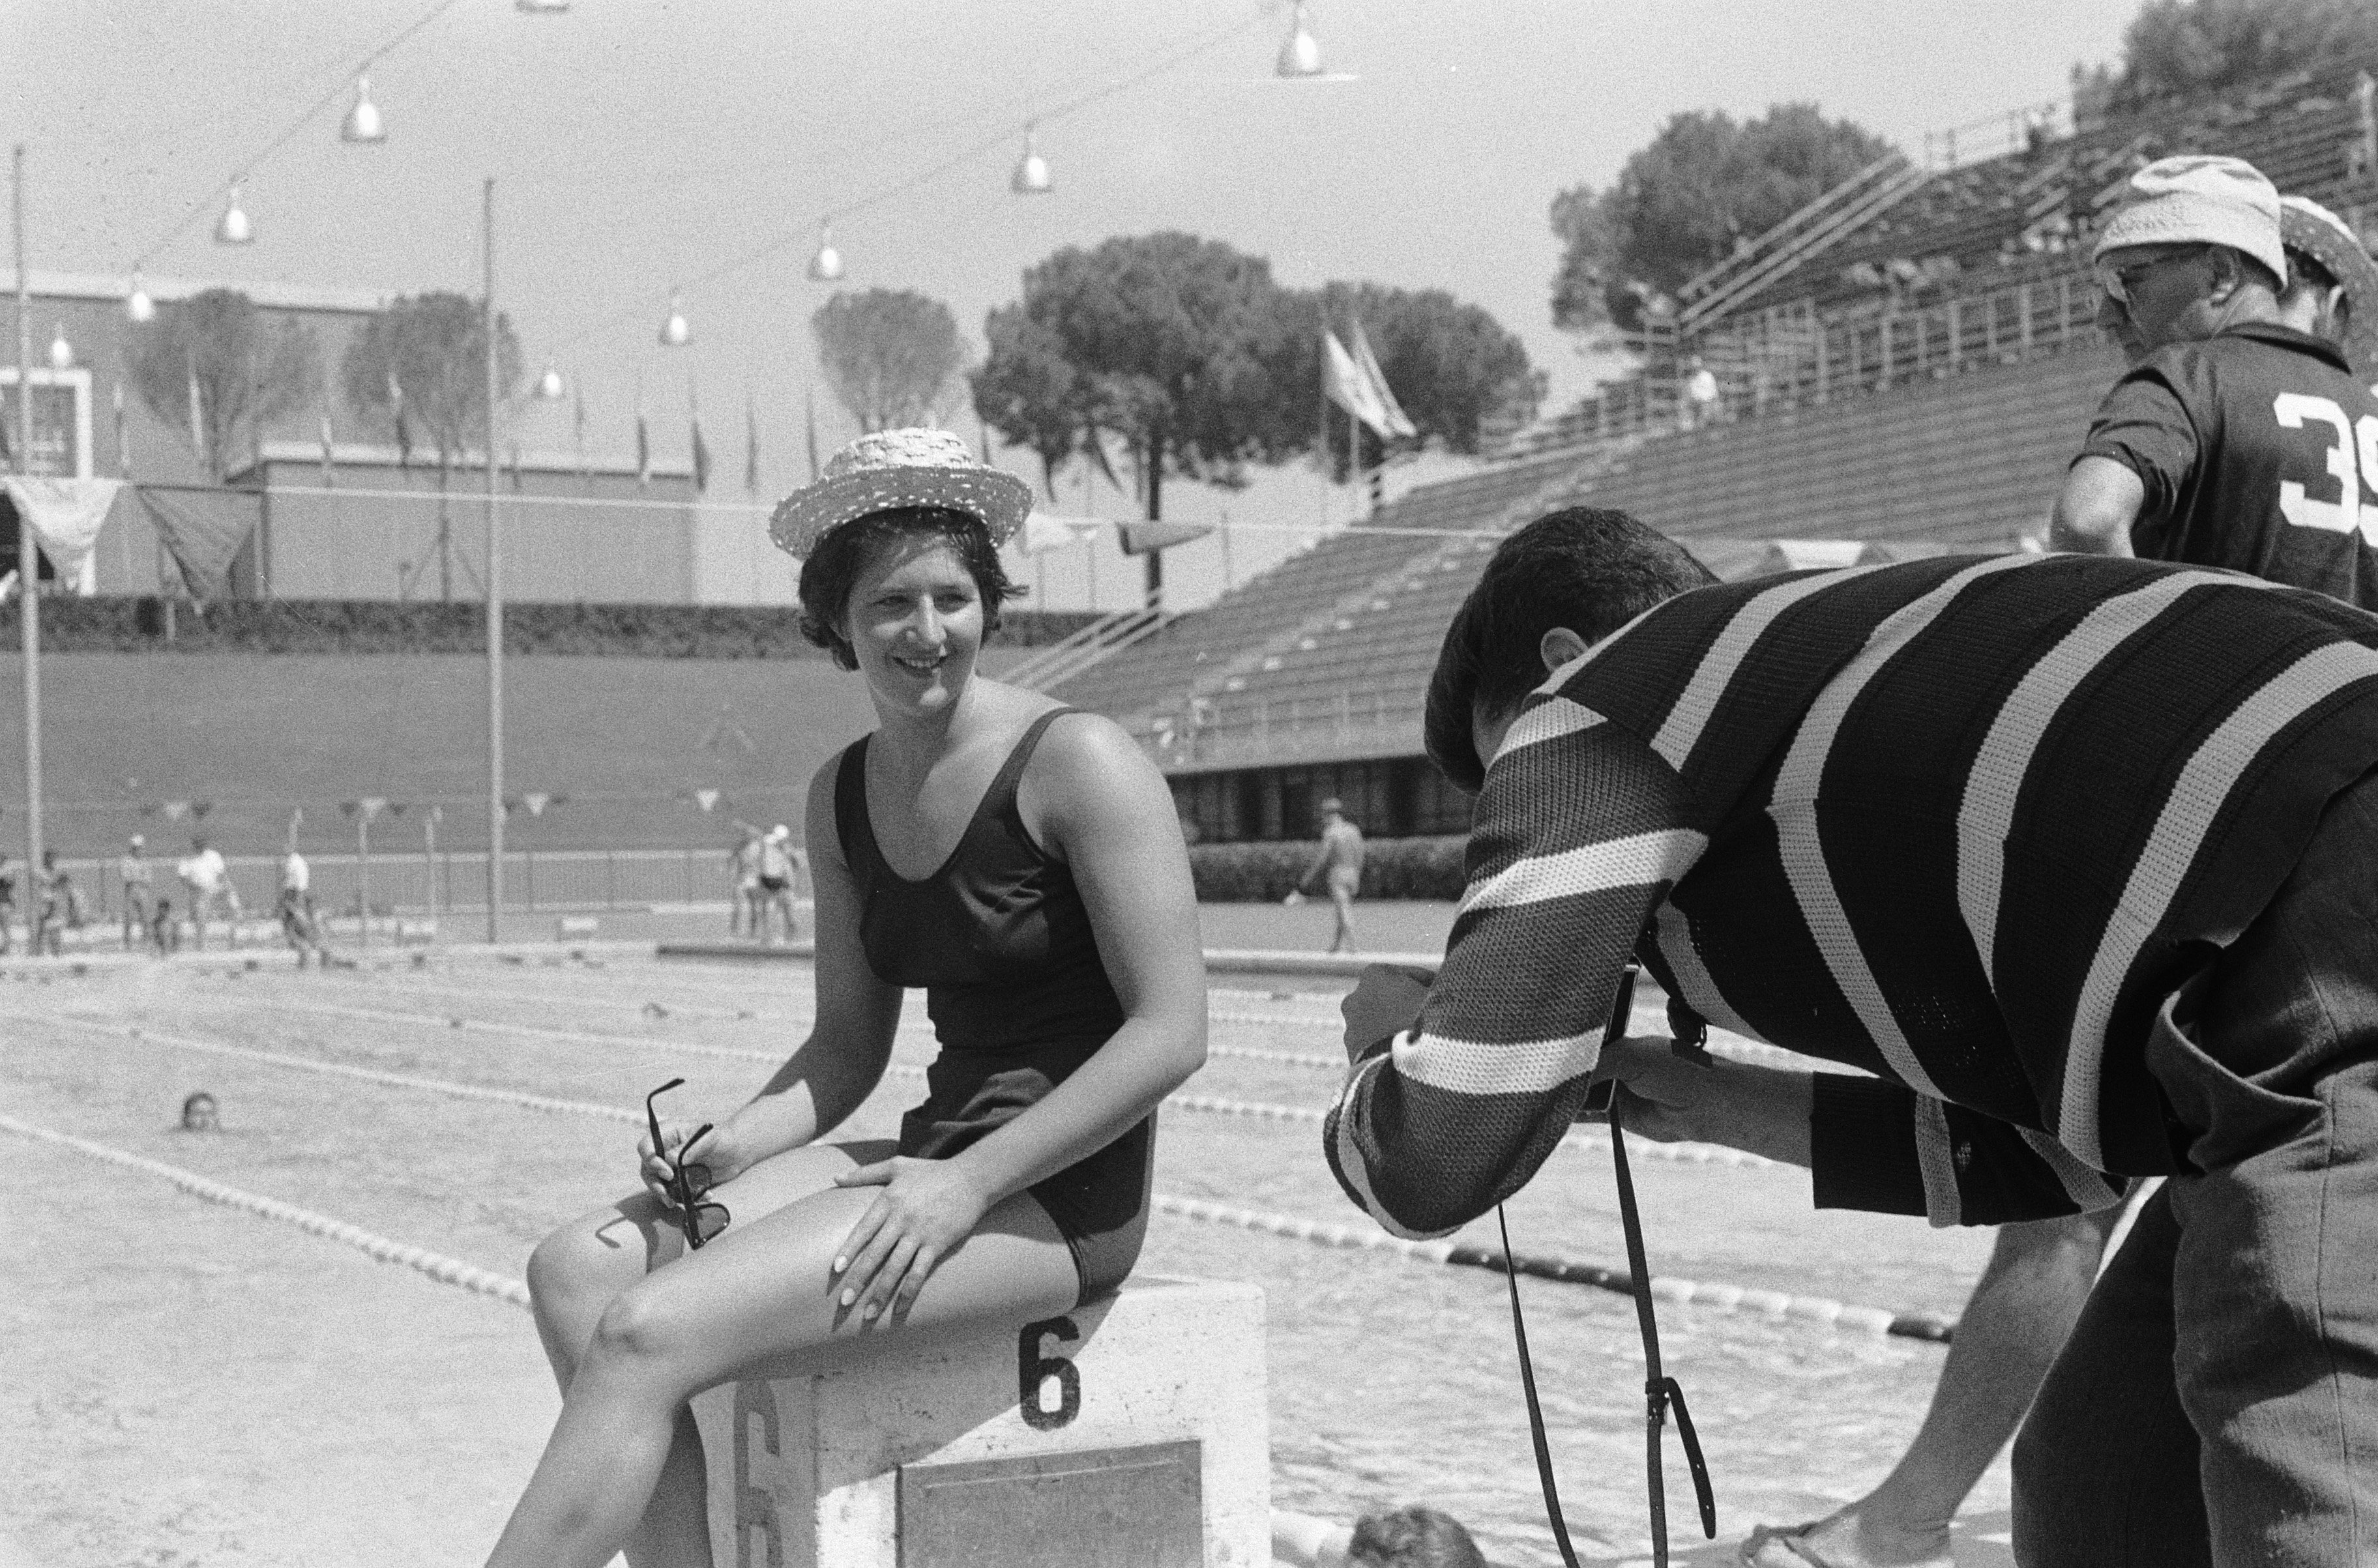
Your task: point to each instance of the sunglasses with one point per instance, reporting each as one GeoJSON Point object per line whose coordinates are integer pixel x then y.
{"type": "Point", "coordinates": [696, 1220]}
{"type": "Point", "coordinates": [2117, 282]}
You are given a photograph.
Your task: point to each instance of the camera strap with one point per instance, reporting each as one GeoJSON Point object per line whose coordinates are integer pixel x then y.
{"type": "Point", "coordinates": [1659, 1391]}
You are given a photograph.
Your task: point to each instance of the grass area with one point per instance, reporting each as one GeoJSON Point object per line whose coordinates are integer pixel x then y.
{"type": "Point", "coordinates": [257, 733]}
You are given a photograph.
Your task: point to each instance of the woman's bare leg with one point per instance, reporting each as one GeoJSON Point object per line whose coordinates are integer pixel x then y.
{"type": "Point", "coordinates": [762, 1294]}
{"type": "Point", "coordinates": [582, 1267]}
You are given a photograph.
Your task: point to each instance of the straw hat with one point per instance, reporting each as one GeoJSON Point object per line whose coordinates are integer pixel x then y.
{"type": "Point", "coordinates": [900, 468]}
{"type": "Point", "coordinates": [2329, 240]}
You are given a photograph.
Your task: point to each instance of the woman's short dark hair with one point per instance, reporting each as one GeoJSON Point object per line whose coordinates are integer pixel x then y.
{"type": "Point", "coordinates": [1588, 568]}
{"type": "Point", "coordinates": [1412, 1538]}
{"type": "Point", "coordinates": [833, 568]}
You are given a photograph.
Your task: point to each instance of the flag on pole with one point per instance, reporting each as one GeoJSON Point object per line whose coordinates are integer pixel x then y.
{"type": "Point", "coordinates": [1398, 423]}
{"type": "Point", "coordinates": [197, 412]}
{"type": "Point", "coordinates": [808, 407]}
{"type": "Point", "coordinates": [403, 433]}
{"type": "Point", "coordinates": [1343, 380]}
{"type": "Point", "coordinates": [750, 444]}
{"type": "Point", "coordinates": [643, 450]}
{"type": "Point", "coordinates": [123, 436]}
{"type": "Point", "coordinates": [701, 458]}
{"type": "Point", "coordinates": [578, 433]}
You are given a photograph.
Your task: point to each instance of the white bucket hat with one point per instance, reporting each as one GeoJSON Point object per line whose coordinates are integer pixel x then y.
{"type": "Point", "coordinates": [2199, 199]}
{"type": "Point", "coordinates": [900, 468]}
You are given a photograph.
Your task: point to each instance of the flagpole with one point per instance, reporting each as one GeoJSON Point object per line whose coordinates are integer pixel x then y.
{"type": "Point", "coordinates": [494, 589]}
{"type": "Point", "coordinates": [29, 571]}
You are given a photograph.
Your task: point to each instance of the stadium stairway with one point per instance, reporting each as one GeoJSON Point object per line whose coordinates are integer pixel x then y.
{"type": "Point", "coordinates": [1211, 656]}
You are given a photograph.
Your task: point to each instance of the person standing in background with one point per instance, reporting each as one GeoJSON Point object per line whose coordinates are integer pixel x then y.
{"type": "Point", "coordinates": [780, 863]}
{"type": "Point", "coordinates": [140, 892]}
{"type": "Point", "coordinates": [206, 879]}
{"type": "Point", "coordinates": [298, 925]}
{"type": "Point", "coordinates": [1340, 856]}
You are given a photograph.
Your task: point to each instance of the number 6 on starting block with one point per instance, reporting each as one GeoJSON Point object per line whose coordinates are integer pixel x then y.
{"type": "Point", "coordinates": [1131, 1429]}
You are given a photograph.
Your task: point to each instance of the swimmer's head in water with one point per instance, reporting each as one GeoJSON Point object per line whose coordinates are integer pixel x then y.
{"type": "Point", "coordinates": [868, 546]}
{"type": "Point", "coordinates": [199, 1114]}
{"type": "Point", "coordinates": [1412, 1538]}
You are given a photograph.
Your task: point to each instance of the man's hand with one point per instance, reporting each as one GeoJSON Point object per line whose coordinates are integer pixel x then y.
{"type": "Point", "coordinates": [1385, 1002]}
{"type": "Point", "coordinates": [1670, 1098]}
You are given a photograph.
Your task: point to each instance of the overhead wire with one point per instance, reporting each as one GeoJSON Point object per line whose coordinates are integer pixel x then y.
{"type": "Point", "coordinates": [288, 133]}
{"type": "Point", "coordinates": [1202, 45]}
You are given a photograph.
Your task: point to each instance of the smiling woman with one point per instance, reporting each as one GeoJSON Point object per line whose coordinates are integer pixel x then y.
{"type": "Point", "coordinates": [1019, 861]}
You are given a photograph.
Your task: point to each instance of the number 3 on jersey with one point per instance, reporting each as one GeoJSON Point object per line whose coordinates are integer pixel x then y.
{"type": "Point", "coordinates": [2299, 411]}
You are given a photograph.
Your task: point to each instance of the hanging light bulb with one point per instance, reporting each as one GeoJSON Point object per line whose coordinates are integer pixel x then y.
{"type": "Point", "coordinates": [1300, 56]}
{"type": "Point", "coordinates": [137, 305]}
{"type": "Point", "coordinates": [826, 265]}
{"type": "Point", "coordinates": [363, 121]}
{"type": "Point", "coordinates": [61, 351]}
{"type": "Point", "coordinates": [549, 385]}
{"type": "Point", "coordinates": [1031, 169]}
{"type": "Point", "coordinates": [675, 332]}
{"type": "Point", "coordinates": [233, 227]}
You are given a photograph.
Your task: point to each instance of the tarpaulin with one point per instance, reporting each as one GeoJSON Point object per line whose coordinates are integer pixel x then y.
{"type": "Point", "coordinates": [64, 515]}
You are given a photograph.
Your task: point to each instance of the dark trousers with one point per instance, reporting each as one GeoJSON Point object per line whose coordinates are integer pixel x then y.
{"type": "Point", "coordinates": [2218, 1403]}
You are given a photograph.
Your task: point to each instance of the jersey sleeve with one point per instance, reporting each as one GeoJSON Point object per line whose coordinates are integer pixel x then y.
{"type": "Point", "coordinates": [2144, 425]}
{"type": "Point", "coordinates": [1883, 1148]}
{"type": "Point", "coordinates": [1580, 831]}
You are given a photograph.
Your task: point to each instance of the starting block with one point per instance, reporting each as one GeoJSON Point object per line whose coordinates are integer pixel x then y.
{"type": "Point", "coordinates": [1133, 1429]}
{"type": "Point", "coordinates": [571, 926]}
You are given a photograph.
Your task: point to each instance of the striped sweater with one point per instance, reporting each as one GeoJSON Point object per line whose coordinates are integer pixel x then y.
{"type": "Point", "coordinates": [1961, 823]}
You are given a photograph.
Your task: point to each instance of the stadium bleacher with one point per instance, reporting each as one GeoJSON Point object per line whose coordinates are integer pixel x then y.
{"type": "Point", "coordinates": [1917, 386]}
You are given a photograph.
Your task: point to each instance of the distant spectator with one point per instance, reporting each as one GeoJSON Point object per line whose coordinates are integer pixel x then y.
{"type": "Point", "coordinates": [298, 924]}
{"type": "Point", "coordinates": [165, 930]}
{"type": "Point", "coordinates": [779, 861]}
{"type": "Point", "coordinates": [1340, 856]}
{"type": "Point", "coordinates": [1700, 402]}
{"type": "Point", "coordinates": [207, 882]}
{"type": "Point", "coordinates": [61, 906]}
{"type": "Point", "coordinates": [748, 910]}
{"type": "Point", "coordinates": [139, 892]}
{"type": "Point", "coordinates": [7, 900]}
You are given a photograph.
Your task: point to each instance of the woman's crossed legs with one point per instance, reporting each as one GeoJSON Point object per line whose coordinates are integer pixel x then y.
{"type": "Point", "coordinates": [635, 1326]}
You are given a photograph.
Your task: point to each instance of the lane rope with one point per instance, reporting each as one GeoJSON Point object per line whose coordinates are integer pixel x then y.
{"type": "Point", "coordinates": [421, 1260]}
{"type": "Point", "coordinates": [1582, 1138]}
{"type": "Point", "coordinates": [1821, 1310]}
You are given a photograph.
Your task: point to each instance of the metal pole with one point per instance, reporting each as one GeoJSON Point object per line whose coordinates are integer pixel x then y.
{"type": "Point", "coordinates": [494, 594]}
{"type": "Point", "coordinates": [29, 561]}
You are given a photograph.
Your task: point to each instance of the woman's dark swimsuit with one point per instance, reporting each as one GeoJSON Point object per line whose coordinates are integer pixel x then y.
{"type": "Point", "coordinates": [1002, 944]}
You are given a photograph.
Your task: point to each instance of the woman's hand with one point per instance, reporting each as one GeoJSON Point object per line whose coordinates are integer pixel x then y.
{"type": "Point", "coordinates": [926, 1209]}
{"type": "Point", "coordinates": [712, 1161]}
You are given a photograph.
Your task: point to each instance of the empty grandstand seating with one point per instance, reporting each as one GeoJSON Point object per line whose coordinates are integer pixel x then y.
{"type": "Point", "coordinates": [1971, 460]}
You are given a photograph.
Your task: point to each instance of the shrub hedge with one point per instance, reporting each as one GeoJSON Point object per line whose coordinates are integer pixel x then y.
{"type": "Point", "coordinates": [1263, 873]}
{"type": "Point", "coordinates": [128, 623]}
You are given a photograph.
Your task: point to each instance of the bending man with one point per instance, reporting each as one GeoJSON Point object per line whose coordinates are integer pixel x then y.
{"type": "Point", "coordinates": [2071, 856]}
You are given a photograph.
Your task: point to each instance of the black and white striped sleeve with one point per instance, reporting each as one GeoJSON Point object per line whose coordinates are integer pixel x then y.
{"type": "Point", "coordinates": [1579, 832]}
{"type": "Point", "coordinates": [1881, 1146]}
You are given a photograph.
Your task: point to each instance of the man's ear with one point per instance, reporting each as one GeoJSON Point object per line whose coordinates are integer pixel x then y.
{"type": "Point", "coordinates": [1558, 646]}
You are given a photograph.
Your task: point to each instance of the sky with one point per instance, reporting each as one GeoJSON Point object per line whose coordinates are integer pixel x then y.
{"type": "Point", "coordinates": [646, 147]}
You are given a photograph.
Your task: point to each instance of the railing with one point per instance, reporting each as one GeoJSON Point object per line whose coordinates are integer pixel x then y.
{"type": "Point", "coordinates": [1283, 730]}
{"type": "Point", "coordinates": [1789, 357]}
{"type": "Point", "coordinates": [560, 881]}
{"type": "Point", "coordinates": [1106, 636]}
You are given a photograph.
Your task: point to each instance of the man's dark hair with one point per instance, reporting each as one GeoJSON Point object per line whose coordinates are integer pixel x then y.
{"type": "Point", "coordinates": [1588, 568]}
{"type": "Point", "coordinates": [833, 568]}
{"type": "Point", "coordinates": [2304, 268]}
{"type": "Point", "coordinates": [1412, 1538]}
